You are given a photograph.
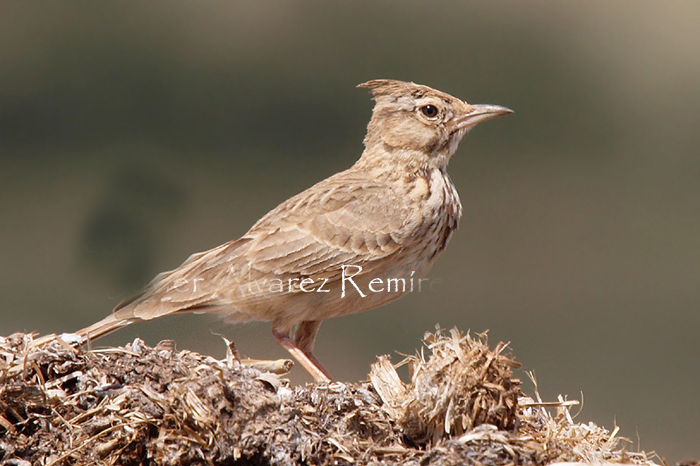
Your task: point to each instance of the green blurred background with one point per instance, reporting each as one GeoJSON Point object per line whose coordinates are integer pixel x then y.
{"type": "Point", "coordinates": [133, 134]}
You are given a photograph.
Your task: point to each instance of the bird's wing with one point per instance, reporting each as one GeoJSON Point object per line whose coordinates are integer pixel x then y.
{"type": "Point", "coordinates": [345, 219]}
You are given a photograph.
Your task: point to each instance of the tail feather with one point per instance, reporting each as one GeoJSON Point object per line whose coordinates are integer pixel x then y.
{"type": "Point", "coordinates": [109, 324]}
{"type": "Point", "coordinates": [180, 290]}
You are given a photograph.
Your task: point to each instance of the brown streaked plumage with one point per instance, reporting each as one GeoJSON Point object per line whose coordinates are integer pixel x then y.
{"type": "Point", "coordinates": [392, 214]}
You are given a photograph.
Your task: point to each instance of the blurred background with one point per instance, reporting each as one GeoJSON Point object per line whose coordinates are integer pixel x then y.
{"type": "Point", "coordinates": [133, 134]}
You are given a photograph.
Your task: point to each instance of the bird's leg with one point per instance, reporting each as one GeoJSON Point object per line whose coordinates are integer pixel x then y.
{"type": "Point", "coordinates": [300, 348]}
{"type": "Point", "coordinates": [305, 337]}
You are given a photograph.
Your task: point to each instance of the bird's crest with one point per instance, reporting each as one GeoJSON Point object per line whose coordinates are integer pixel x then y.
{"type": "Point", "coordinates": [397, 89]}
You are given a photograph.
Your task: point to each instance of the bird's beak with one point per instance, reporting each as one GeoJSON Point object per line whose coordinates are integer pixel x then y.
{"type": "Point", "coordinates": [478, 114]}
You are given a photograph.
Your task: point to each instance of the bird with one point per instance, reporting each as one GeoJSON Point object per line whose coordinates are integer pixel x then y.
{"type": "Point", "coordinates": [338, 247]}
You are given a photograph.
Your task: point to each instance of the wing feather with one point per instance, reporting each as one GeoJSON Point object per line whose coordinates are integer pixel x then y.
{"type": "Point", "coordinates": [345, 219]}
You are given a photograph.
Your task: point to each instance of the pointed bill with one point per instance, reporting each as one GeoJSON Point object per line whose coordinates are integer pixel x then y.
{"type": "Point", "coordinates": [478, 114]}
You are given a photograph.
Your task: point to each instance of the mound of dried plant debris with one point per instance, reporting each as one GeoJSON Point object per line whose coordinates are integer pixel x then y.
{"type": "Point", "coordinates": [60, 404]}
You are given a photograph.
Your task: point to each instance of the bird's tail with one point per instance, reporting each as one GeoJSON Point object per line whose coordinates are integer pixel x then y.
{"type": "Point", "coordinates": [109, 324]}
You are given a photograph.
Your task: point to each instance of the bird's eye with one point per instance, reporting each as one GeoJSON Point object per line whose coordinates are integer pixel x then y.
{"type": "Point", "coordinates": [430, 111]}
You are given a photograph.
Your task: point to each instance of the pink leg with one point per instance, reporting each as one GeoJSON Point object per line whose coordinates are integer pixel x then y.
{"type": "Point", "coordinates": [301, 348]}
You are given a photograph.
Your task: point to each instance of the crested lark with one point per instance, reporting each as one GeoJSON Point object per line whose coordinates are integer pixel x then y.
{"type": "Point", "coordinates": [338, 247]}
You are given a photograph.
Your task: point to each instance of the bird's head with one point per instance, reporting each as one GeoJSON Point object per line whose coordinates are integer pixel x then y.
{"type": "Point", "coordinates": [413, 121]}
